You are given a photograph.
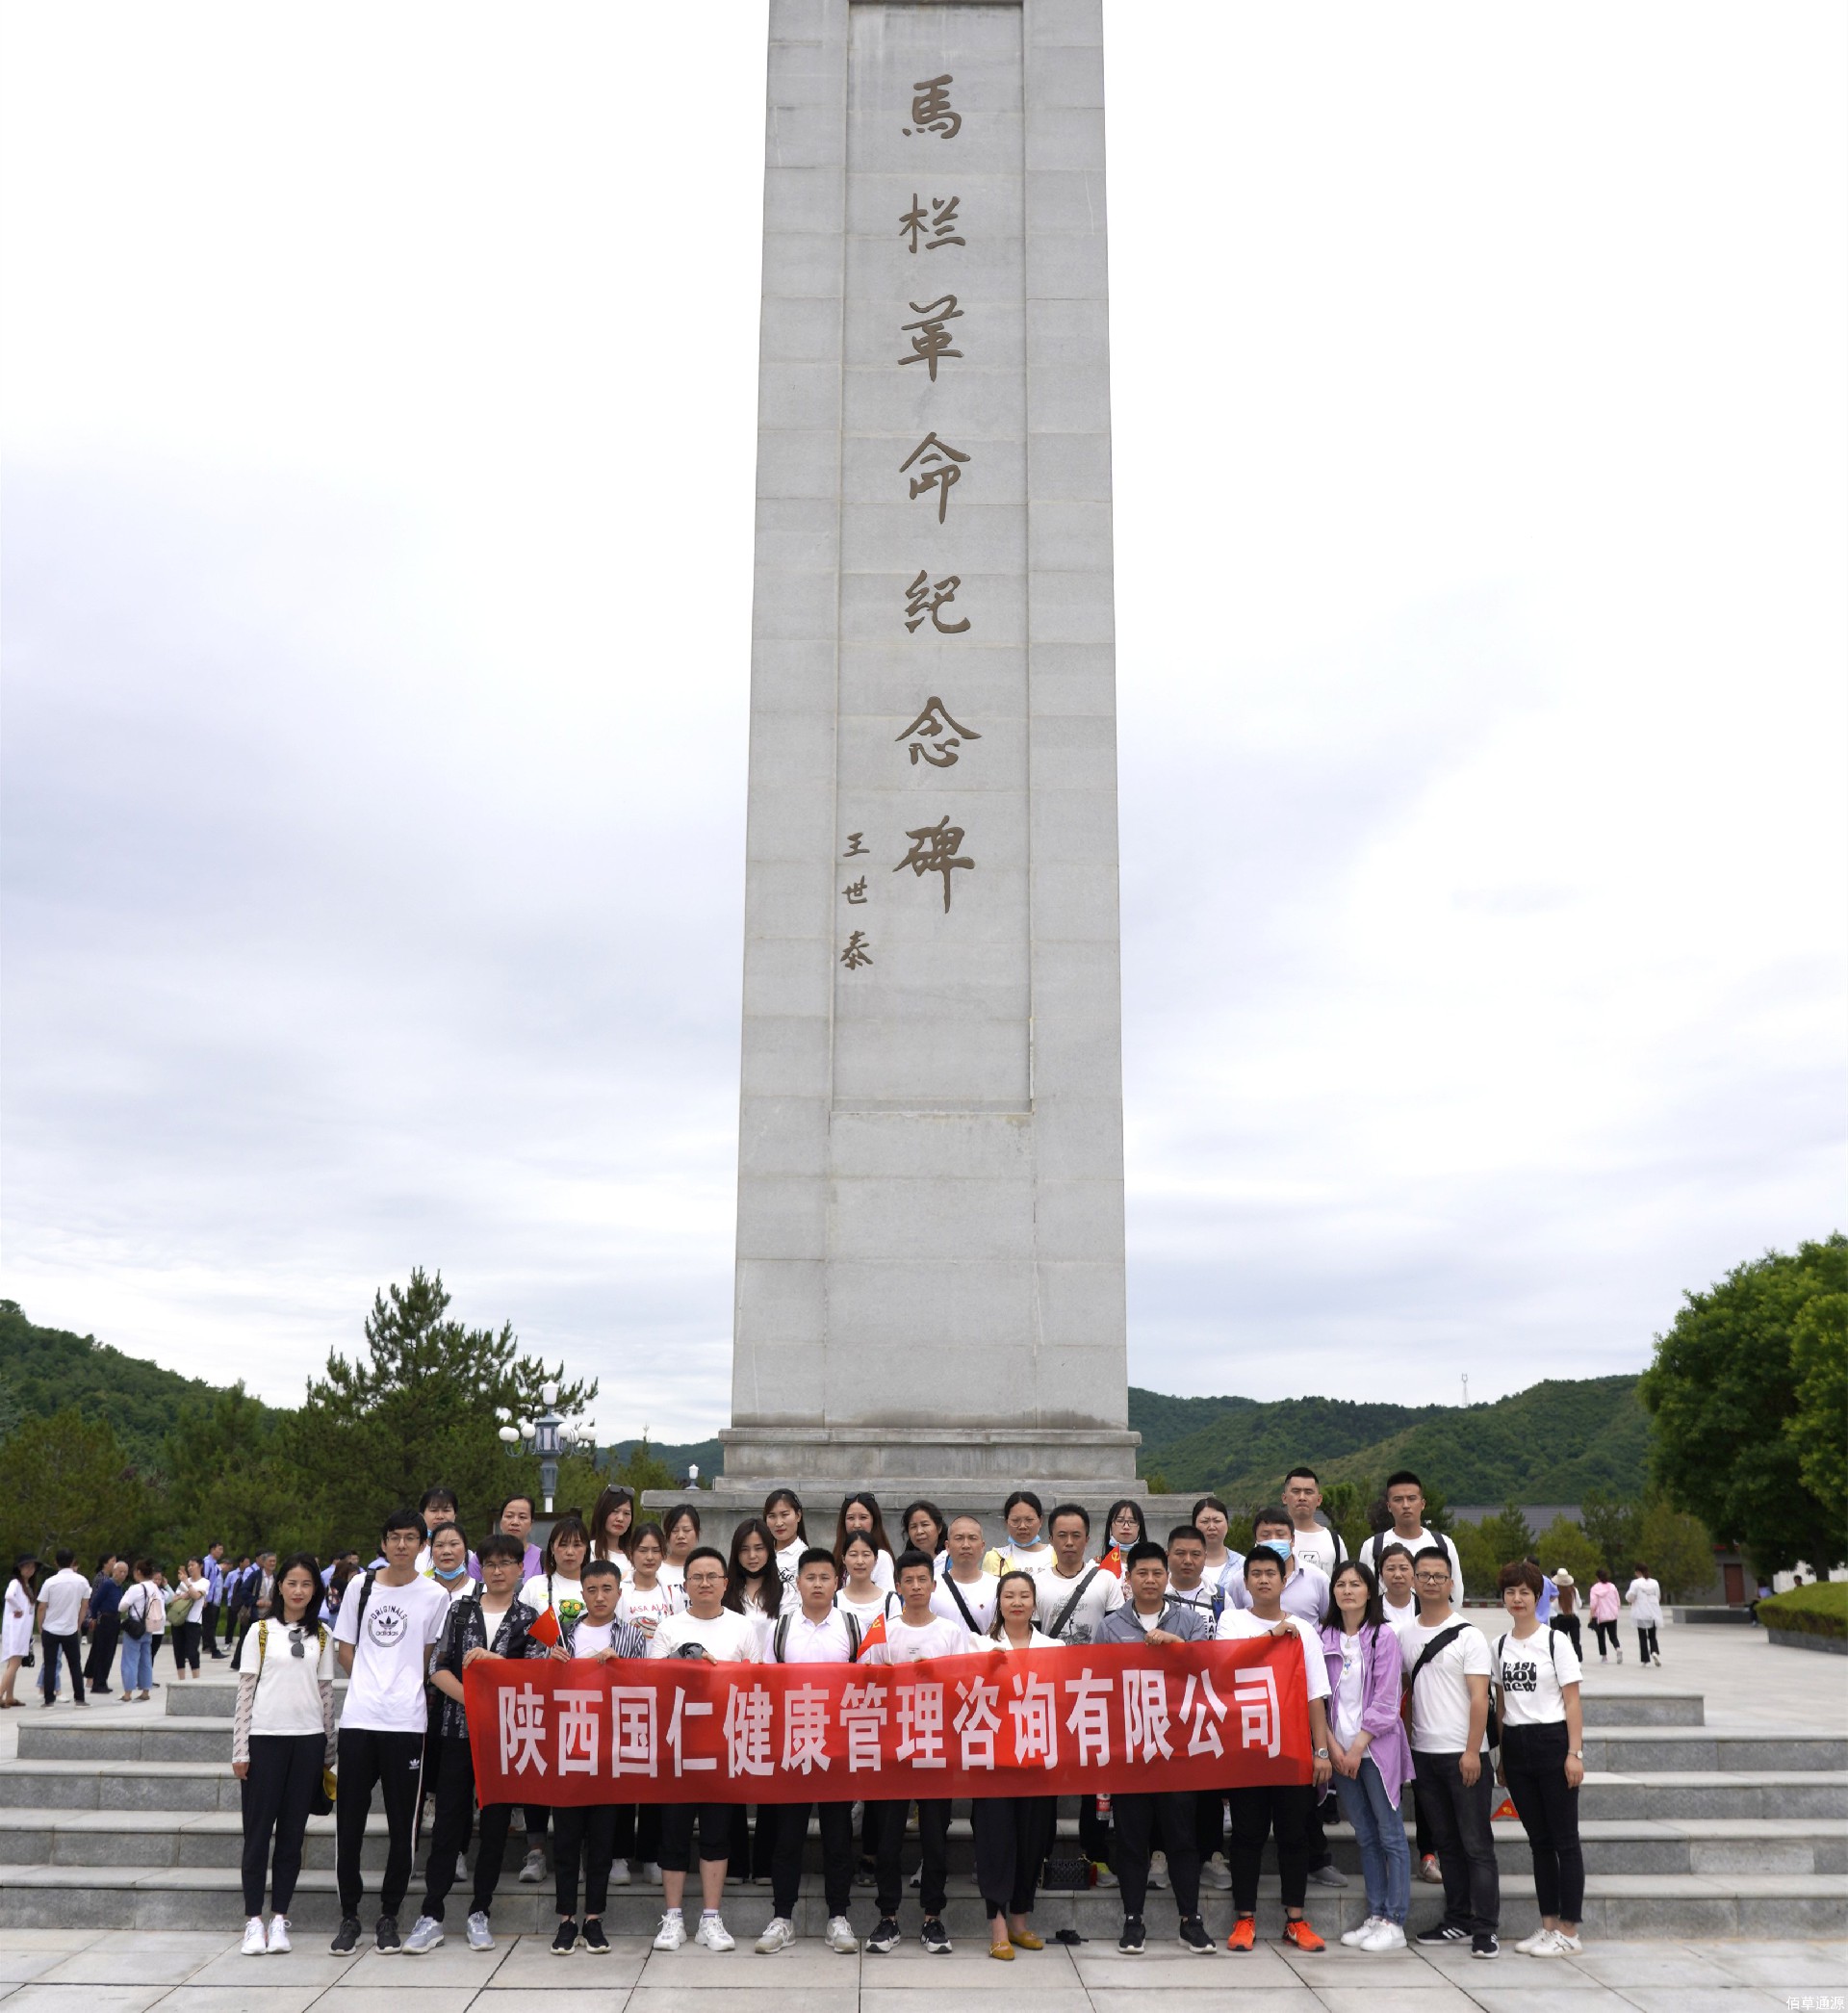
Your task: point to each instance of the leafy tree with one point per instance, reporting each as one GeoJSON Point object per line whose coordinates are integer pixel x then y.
{"type": "Point", "coordinates": [1677, 1551]}
{"type": "Point", "coordinates": [227, 1478]}
{"type": "Point", "coordinates": [1563, 1543]}
{"type": "Point", "coordinates": [1345, 1505]}
{"type": "Point", "coordinates": [68, 1482]}
{"type": "Point", "coordinates": [416, 1408]}
{"type": "Point", "coordinates": [1614, 1526]}
{"type": "Point", "coordinates": [1479, 1558]}
{"type": "Point", "coordinates": [643, 1468]}
{"type": "Point", "coordinates": [1723, 1392]}
{"type": "Point", "coordinates": [1818, 1427]}
{"type": "Point", "coordinates": [1508, 1533]}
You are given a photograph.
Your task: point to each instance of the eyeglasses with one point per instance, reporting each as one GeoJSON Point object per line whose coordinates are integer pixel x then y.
{"type": "Point", "coordinates": [1432, 1579]}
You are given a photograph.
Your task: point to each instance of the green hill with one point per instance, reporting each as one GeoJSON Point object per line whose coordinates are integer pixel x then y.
{"type": "Point", "coordinates": [44, 1369]}
{"type": "Point", "coordinates": [1550, 1443]}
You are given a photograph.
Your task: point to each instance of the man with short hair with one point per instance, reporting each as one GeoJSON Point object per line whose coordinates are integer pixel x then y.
{"type": "Point", "coordinates": [1150, 1618]}
{"type": "Point", "coordinates": [105, 1623]}
{"type": "Point", "coordinates": [1259, 1809]}
{"type": "Point", "coordinates": [63, 1601]}
{"type": "Point", "coordinates": [913, 1633]}
{"type": "Point", "coordinates": [213, 1598]}
{"type": "Point", "coordinates": [1188, 1587]}
{"type": "Point", "coordinates": [387, 1624]}
{"type": "Point", "coordinates": [816, 1632]}
{"type": "Point", "coordinates": [1447, 1662]}
{"type": "Point", "coordinates": [493, 1623]}
{"type": "Point", "coordinates": [1075, 1596]}
{"type": "Point", "coordinates": [1405, 1506]}
{"type": "Point", "coordinates": [1316, 1544]}
{"type": "Point", "coordinates": [965, 1588]}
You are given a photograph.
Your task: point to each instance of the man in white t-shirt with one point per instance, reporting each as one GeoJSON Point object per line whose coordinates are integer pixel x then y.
{"type": "Point", "coordinates": [1257, 1810]}
{"type": "Point", "coordinates": [389, 1622]}
{"type": "Point", "coordinates": [64, 1603]}
{"type": "Point", "coordinates": [1075, 1595]}
{"type": "Point", "coordinates": [1316, 1544]}
{"type": "Point", "coordinates": [1447, 1663]}
{"type": "Point", "coordinates": [913, 1633]}
{"type": "Point", "coordinates": [710, 1631]}
{"type": "Point", "coordinates": [814, 1632]}
{"type": "Point", "coordinates": [972, 1600]}
{"type": "Point", "coordinates": [1405, 1506]}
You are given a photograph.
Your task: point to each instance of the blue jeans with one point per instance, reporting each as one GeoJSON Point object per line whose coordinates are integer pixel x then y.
{"type": "Point", "coordinates": [138, 1664]}
{"type": "Point", "coordinates": [1379, 1831]}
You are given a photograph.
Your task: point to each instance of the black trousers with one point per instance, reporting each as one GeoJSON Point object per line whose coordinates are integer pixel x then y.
{"type": "Point", "coordinates": [107, 1634]}
{"type": "Point", "coordinates": [1606, 1634]}
{"type": "Point", "coordinates": [450, 1833]}
{"type": "Point", "coordinates": [1568, 1627]}
{"type": "Point", "coordinates": [1534, 1758]}
{"type": "Point", "coordinates": [1457, 1813]}
{"type": "Point", "coordinates": [186, 1644]}
{"type": "Point", "coordinates": [677, 1820]}
{"type": "Point", "coordinates": [391, 1763]}
{"type": "Point", "coordinates": [71, 1647]}
{"type": "Point", "coordinates": [1012, 1833]}
{"type": "Point", "coordinates": [932, 1835]}
{"type": "Point", "coordinates": [792, 1821]}
{"type": "Point", "coordinates": [1284, 1808]}
{"type": "Point", "coordinates": [1095, 1839]}
{"type": "Point", "coordinates": [1175, 1814]}
{"type": "Point", "coordinates": [285, 1773]}
{"type": "Point", "coordinates": [211, 1628]}
{"type": "Point", "coordinates": [1647, 1645]}
{"type": "Point", "coordinates": [1209, 1823]}
{"type": "Point", "coordinates": [753, 1840]}
{"type": "Point", "coordinates": [586, 1832]}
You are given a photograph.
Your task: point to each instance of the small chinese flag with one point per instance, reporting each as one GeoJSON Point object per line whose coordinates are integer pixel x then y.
{"type": "Point", "coordinates": [876, 1633]}
{"type": "Point", "coordinates": [1112, 1562]}
{"type": "Point", "coordinates": [1505, 1809]}
{"type": "Point", "coordinates": [546, 1629]}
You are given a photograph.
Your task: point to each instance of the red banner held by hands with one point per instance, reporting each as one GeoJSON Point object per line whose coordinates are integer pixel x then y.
{"type": "Point", "coordinates": [1077, 1719]}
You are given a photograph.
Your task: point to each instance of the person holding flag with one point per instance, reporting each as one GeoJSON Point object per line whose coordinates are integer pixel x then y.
{"type": "Point", "coordinates": [1124, 1527]}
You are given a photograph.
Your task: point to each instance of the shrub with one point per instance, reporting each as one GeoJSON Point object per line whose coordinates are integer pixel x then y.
{"type": "Point", "coordinates": [1808, 1610]}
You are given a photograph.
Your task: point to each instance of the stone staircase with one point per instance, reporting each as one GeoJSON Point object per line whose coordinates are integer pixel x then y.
{"type": "Point", "coordinates": [1689, 1830]}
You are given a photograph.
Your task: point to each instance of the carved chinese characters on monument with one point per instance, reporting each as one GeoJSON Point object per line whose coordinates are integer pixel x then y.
{"type": "Point", "coordinates": [935, 851]}
{"type": "Point", "coordinates": [935, 737]}
{"type": "Point", "coordinates": [939, 467]}
{"type": "Point", "coordinates": [931, 110]}
{"type": "Point", "coordinates": [931, 336]}
{"type": "Point", "coordinates": [933, 228]}
{"type": "Point", "coordinates": [924, 599]}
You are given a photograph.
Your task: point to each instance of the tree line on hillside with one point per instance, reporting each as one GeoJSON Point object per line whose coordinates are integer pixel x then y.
{"type": "Point", "coordinates": [415, 1405]}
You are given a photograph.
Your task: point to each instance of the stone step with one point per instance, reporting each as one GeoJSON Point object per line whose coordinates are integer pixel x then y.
{"type": "Point", "coordinates": [1738, 1905]}
{"type": "Point", "coordinates": [48, 1836]}
{"type": "Point", "coordinates": [1634, 1751]}
{"type": "Point", "coordinates": [1643, 1708]}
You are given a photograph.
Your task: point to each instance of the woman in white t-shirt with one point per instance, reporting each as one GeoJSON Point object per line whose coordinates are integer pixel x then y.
{"type": "Point", "coordinates": [15, 1625]}
{"type": "Point", "coordinates": [647, 1599]}
{"type": "Point", "coordinates": [927, 1530]}
{"type": "Point", "coordinates": [612, 1527]}
{"type": "Point", "coordinates": [283, 1737]}
{"type": "Point", "coordinates": [559, 1585]}
{"type": "Point", "coordinates": [143, 1616]}
{"type": "Point", "coordinates": [1028, 1549]}
{"type": "Point", "coordinates": [1012, 1832]}
{"type": "Point", "coordinates": [680, 1533]}
{"type": "Point", "coordinates": [861, 1594]}
{"type": "Point", "coordinates": [754, 1588]}
{"type": "Point", "coordinates": [1644, 1596]}
{"type": "Point", "coordinates": [861, 1511]}
{"type": "Point", "coordinates": [788, 1532]}
{"type": "Point", "coordinates": [449, 1563]}
{"type": "Point", "coordinates": [1535, 1674]}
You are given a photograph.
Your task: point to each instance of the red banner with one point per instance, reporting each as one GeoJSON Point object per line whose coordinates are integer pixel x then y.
{"type": "Point", "coordinates": [1079, 1720]}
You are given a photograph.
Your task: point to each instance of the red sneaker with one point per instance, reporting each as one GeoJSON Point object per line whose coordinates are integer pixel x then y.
{"type": "Point", "coordinates": [1299, 1932]}
{"type": "Point", "coordinates": [1245, 1933]}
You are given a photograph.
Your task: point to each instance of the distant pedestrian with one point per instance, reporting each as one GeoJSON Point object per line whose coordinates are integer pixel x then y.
{"type": "Point", "coordinates": [1602, 1605]}
{"type": "Point", "coordinates": [1644, 1597]}
{"type": "Point", "coordinates": [141, 1616]}
{"type": "Point", "coordinates": [214, 1599]}
{"type": "Point", "coordinates": [63, 1601]}
{"type": "Point", "coordinates": [185, 1610]}
{"type": "Point", "coordinates": [105, 1624]}
{"type": "Point", "coordinates": [15, 1626]}
{"type": "Point", "coordinates": [1565, 1614]}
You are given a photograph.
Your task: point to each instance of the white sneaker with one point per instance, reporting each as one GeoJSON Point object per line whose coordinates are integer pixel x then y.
{"type": "Point", "coordinates": [1620, 1653]}
{"type": "Point", "coordinates": [1215, 1873]}
{"type": "Point", "coordinates": [461, 1869]}
{"type": "Point", "coordinates": [650, 1872]}
{"type": "Point", "coordinates": [279, 1945]}
{"type": "Point", "coordinates": [1101, 1875]}
{"type": "Point", "coordinates": [534, 1869]}
{"type": "Point", "coordinates": [714, 1935]}
{"type": "Point", "coordinates": [1361, 1931]}
{"type": "Point", "coordinates": [841, 1936]}
{"type": "Point", "coordinates": [426, 1932]}
{"type": "Point", "coordinates": [779, 1932]}
{"type": "Point", "coordinates": [1555, 1943]}
{"type": "Point", "coordinates": [1530, 1944]}
{"type": "Point", "coordinates": [1389, 1936]}
{"type": "Point", "coordinates": [619, 1872]}
{"type": "Point", "coordinates": [1158, 1869]}
{"type": "Point", "coordinates": [255, 1943]}
{"type": "Point", "coordinates": [672, 1934]}
{"type": "Point", "coordinates": [481, 1932]}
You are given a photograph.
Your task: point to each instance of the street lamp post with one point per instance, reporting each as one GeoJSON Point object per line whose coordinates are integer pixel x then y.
{"type": "Point", "coordinates": [548, 1435]}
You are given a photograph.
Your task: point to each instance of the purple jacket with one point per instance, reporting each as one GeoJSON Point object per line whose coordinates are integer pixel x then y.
{"type": "Point", "coordinates": [1391, 1749]}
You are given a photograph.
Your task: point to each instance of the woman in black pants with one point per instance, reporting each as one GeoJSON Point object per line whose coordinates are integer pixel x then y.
{"type": "Point", "coordinates": [282, 1738]}
{"type": "Point", "coordinates": [1536, 1675]}
{"type": "Point", "coordinates": [1012, 1832]}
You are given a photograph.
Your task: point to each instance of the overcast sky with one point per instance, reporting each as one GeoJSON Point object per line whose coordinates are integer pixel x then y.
{"type": "Point", "coordinates": [379, 424]}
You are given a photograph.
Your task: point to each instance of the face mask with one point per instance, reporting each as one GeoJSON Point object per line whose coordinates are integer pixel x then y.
{"type": "Point", "coordinates": [454, 1573]}
{"type": "Point", "coordinates": [1281, 1546]}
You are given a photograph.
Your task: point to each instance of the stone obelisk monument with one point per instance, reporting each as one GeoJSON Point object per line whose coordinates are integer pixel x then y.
{"type": "Point", "coordinates": [930, 1257]}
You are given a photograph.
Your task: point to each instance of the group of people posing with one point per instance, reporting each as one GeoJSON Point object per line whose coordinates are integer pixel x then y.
{"type": "Point", "coordinates": [1403, 1694]}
